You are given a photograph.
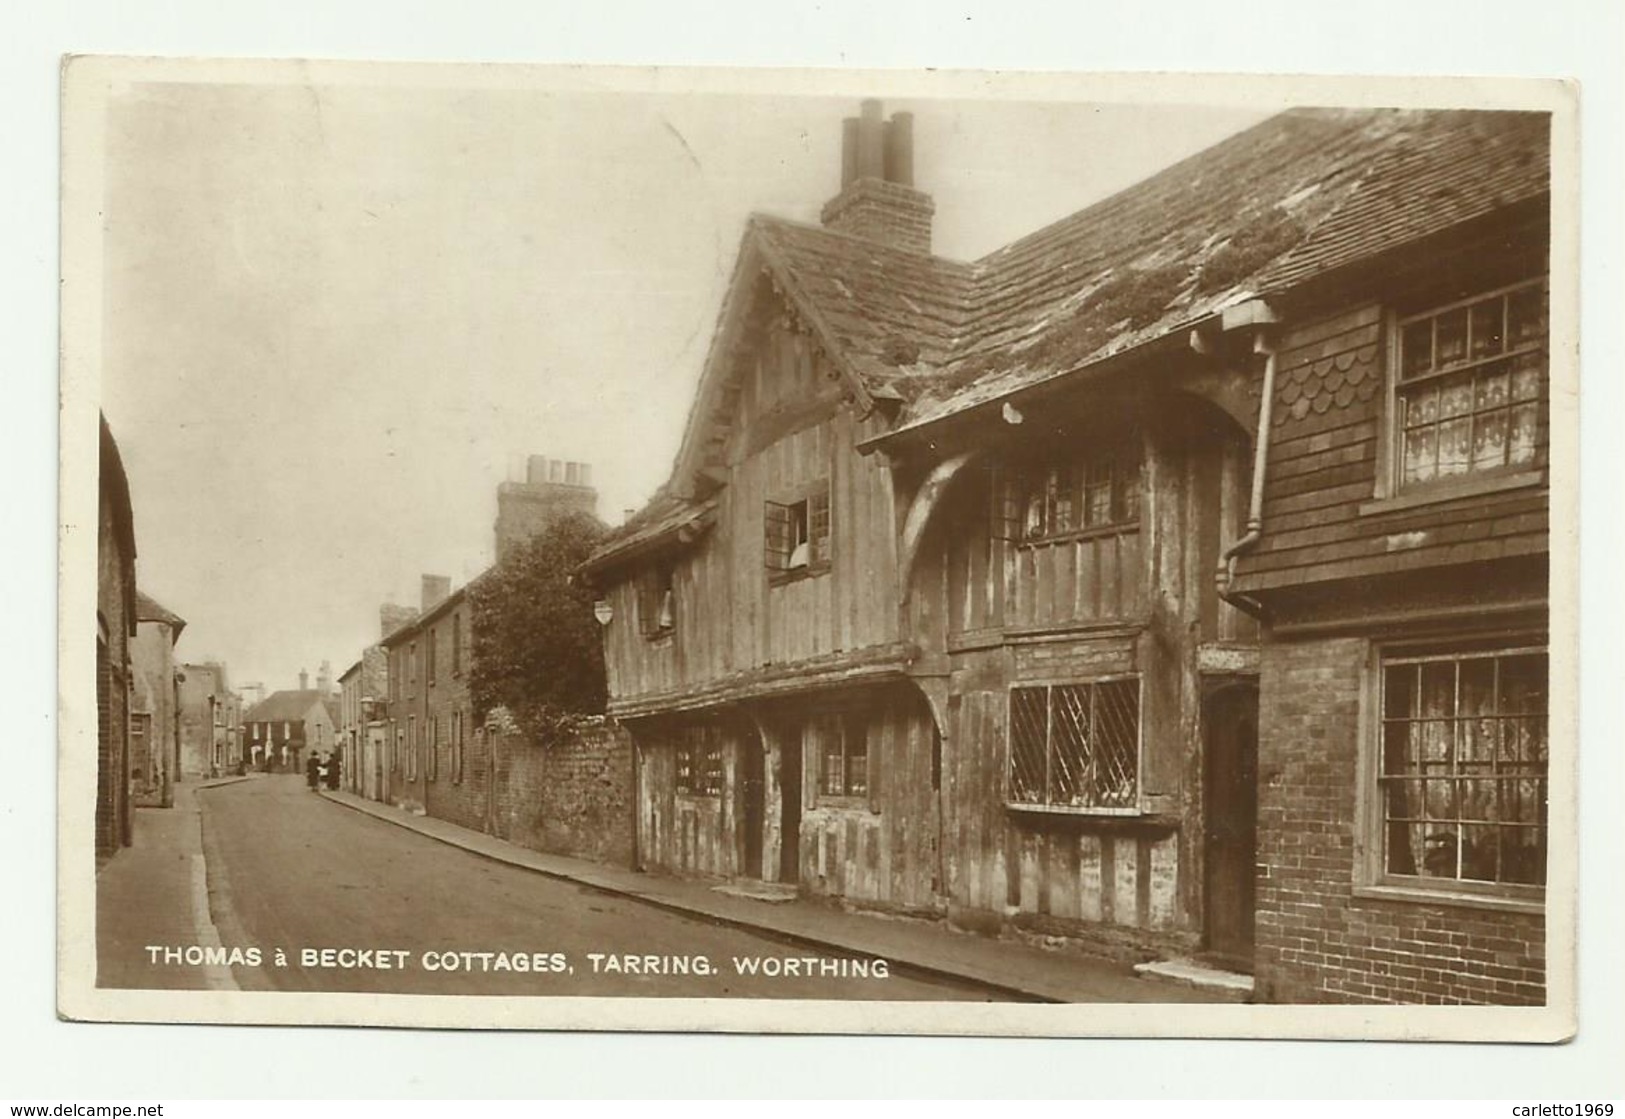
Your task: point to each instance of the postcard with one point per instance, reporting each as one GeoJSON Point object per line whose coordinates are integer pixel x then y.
{"type": "Point", "coordinates": [818, 551]}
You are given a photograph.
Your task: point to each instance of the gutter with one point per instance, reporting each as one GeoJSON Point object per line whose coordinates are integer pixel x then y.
{"type": "Point", "coordinates": [1258, 314]}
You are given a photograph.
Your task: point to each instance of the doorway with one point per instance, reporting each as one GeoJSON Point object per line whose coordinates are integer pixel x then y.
{"type": "Point", "coordinates": [1230, 721]}
{"type": "Point", "coordinates": [753, 790]}
{"type": "Point", "coordinates": [790, 806]}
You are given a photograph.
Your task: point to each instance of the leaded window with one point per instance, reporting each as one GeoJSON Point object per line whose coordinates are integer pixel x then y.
{"type": "Point", "coordinates": [1076, 747]}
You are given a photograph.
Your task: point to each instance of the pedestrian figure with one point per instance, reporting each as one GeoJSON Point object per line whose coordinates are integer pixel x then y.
{"type": "Point", "coordinates": [333, 764]}
{"type": "Point", "coordinates": [313, 770]}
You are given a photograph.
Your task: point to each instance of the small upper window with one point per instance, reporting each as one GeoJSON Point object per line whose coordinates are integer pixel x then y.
{"type": "Point", "coordinates": [657, 600]}
{"type": "Point", "coordinates": [1098, 491]}
{"type": "Point", "coordinates": [1471, 387]}
{"type": "Point", "coordinates": [797, 533]}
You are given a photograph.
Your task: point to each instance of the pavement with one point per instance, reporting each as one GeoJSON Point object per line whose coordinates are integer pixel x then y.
{"type": "Point", "coordinates": [930, 949]}
{"type": "Point", "coordinates": [155, 893]}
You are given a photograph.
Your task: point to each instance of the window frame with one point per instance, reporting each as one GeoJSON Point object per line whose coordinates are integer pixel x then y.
{"type": "Point", "coordinates": [431, 757]}
{"type": "Point", "coordinates": [1392, 492]}
{"type": "Point", "coordinates": [413, 745]}
{"type": "Point", "coordinates": [1136, 808]}
{"type": "Point", "coordinates": [844, 720]}
{"type": "Point", "coordinates": [799, 512]}
{"type": "Point", "coordinates": [701, 745]}
{"type": "Point", "coordinates": [1064, 477]}
{"type": "Point", "coordinates": [657, 600]}
{"type": "Point", "coordinates": [456, 643]}
{"type": "Point", "coordinates": [1372, 878]}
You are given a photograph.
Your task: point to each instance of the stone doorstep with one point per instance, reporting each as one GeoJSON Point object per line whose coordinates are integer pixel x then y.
{"type": "Point", "coordinates": [776, 893]}
{"type": "Point", "coordinates": [1199, 975]}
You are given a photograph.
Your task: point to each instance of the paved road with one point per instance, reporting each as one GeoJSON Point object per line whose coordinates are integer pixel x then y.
{"type": "Point", "coordinates": [291, 870]}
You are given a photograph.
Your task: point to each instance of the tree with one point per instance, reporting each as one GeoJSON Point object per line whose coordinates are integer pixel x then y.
{"type": "Point", "coordinates": [536, 648]}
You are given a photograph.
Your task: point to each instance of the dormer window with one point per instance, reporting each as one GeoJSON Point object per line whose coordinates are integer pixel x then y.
{"type": "Point", "coordinates": [797, 534]}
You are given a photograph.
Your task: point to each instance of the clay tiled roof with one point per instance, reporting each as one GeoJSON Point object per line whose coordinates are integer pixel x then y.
{"type": "Point", "coordinates": [1302, 193]}
{"type": "Point", "coordinates": [291, 706]}
{"type": "Point", "coordinates": [893, 313]}
{"type": "Point", "coordinates": [1297, 196]}
{"type": "Point", "coordinates": [147, 609]}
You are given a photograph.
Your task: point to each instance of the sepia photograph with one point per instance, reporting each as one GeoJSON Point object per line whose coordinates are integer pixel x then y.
{"type": "Point", "coordinates": [788, 551]}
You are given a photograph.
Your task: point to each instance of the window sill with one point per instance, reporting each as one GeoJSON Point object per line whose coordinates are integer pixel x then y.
{"type": "Point", "coordinates": [1452, 491]}
{"type": "Point", "coordinates": [796, 574]}
{"type": "Point", "coordinates": [1121, 528]}
{"type": "Point", "coordinates": [1122, 821]}
{"type": "Point", "coordinates": [661, 637]}
{"type": "Point", "coordinates": [845, 803]}
{"type": "Point", "coordinates": [1460, 899]}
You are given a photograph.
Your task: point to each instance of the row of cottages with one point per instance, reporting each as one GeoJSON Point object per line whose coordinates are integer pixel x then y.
{"type": "Point", "coordinates": [1173, 578]}
{"type": "Point", "coordinates": [116, 627]}
{"type": "Point", "coordinates": [419, 743]}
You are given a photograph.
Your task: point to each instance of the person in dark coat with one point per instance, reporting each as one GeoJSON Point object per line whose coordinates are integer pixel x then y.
{"type": "Point", "coordinates": [313, 769]}
{"type": "Point", "coordinates": [333, 764]}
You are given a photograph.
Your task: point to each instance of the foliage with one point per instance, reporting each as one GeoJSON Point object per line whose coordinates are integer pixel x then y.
{"type": "Point", "coordinates": [536, 648]}
{"type": "Point", "coordinates": [1250, 247]}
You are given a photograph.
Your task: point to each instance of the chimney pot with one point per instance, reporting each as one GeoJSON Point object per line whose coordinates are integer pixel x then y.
{"type": "Point", "coordinates": [536, 469]}
{"type": "Point", "coordinates": [304, 680]}
{"type": "Point", "coordinates": [900, 149]}
{"type": "Point", "coordinates": [435, 590]}
{"type": "Point", "coordinates": [849, 151]}
{"type": "Point", "coordinates": [871, 142]}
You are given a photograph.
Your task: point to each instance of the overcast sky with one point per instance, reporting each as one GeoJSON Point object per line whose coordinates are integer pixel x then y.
{"type": "Point", "coordinates": [337, 317]}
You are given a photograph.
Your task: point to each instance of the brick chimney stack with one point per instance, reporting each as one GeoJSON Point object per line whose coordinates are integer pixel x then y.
{"type": "Point", "coordinates": [552, 488]}
{"type": "Point", "coordinates": [878, 200]}
{"type": "Point", "coordinates": [392, 617]}
{"type": "Point", "coordinates": [304, 680]}
{"type": "Point", "coordinates": [436, 588]}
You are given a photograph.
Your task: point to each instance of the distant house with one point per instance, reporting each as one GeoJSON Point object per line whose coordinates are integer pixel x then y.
{"type": "Point", "coordinates": [155, 719]}
{"type": "Point", "coordinates": [210, 739]}
{"type": "Point", "coordinates": [280, 729]}
{"type": "Point", "coordinates": [927, 618]}
{"type": "Point", "coordinates": [116, 624]}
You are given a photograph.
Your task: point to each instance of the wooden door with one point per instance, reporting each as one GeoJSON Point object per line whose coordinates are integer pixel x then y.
{"type": "Point", "coordinates": [1230, 716]}
{"type": "Point", "coordinates": [753, 813]}
{"type": "Point", "coordinates": [790, 806]}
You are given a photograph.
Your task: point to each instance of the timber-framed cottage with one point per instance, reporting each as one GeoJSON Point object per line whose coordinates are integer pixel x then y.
{"type": "Point", "coordinates": [1107, 586]}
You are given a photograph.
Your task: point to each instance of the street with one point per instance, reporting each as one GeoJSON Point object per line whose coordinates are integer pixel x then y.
{"type": "Point", "coordinates": [357, 904]}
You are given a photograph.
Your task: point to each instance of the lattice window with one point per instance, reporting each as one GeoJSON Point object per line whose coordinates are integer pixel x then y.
{"type": "Point", "coordinates": [843, 763]}
{"type": "Point", "coordinates": [699, 768]}
{"type": "Point", "coordinates": [797, 533]}
{"type": "Point", "coordinates": [1471, 393]}
{"type": "Point", "coordinates": [1463, 766]}
{"type": "Point", "coordinates": [1060, 497]}
{"type": "Point", "coordinates": [1076, 746]}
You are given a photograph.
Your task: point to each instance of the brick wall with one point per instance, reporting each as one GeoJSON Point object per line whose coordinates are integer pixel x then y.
{"type": "Point", "coordinates": [1316, 941]}
{"type": "Point", "coordinates": [571, 796]}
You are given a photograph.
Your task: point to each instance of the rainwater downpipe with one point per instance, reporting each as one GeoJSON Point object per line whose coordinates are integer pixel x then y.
{"type": "Point", "coordinates": [1255, 506]}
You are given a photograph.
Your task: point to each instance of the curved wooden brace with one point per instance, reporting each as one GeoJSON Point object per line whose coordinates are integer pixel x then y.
{"type": "Point", "coordinates": [925, 502]}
